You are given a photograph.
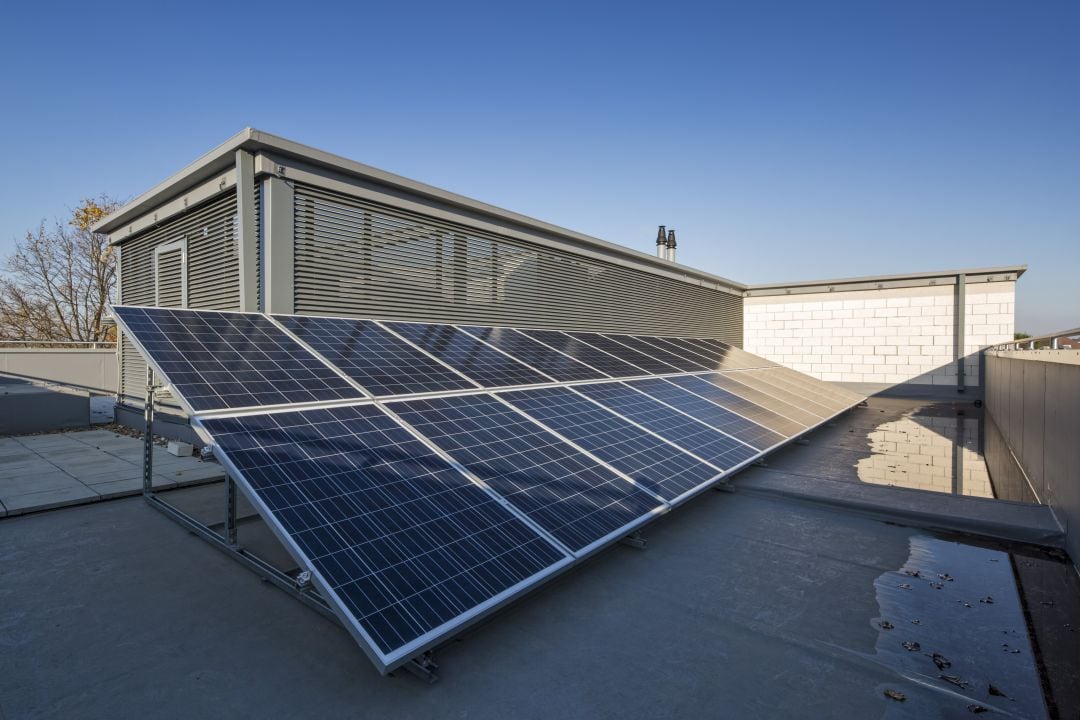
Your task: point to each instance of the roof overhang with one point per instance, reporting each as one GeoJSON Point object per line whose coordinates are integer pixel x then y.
{"type": "Point", "coordinates": [881, 282]}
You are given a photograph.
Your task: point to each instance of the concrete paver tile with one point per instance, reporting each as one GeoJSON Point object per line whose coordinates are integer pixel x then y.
{"type": "Point", "coordinates": [75, 494]}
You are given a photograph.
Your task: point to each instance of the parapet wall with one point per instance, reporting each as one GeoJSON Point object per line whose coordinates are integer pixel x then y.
{"type": "Point", "coordinates": [1034, 398]}
{"type": "Point", "coordinates": [884, 336]}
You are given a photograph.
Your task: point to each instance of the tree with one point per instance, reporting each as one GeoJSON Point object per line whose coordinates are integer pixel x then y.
{"type": "Point", "coordinates": [58, 281]}
{"type": "Point", "coordinates": [1020, 336]}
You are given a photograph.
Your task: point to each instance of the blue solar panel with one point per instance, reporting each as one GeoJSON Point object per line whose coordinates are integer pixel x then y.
{"type": "Point", "coordinates": [679, 348]}
{"type": "Point", "coordinates": [461, 351]}
{"type": "Point", "coordinates": [730, 401]}
{"type": "Point", "coordinates": [405, 541]}
{"type": "Point", "coordinates": [785, 407]}
{"type": "Point", "coordinates": [769, 382]}
{"type": "Point", "coordinates": [575, 498]}
{"type": "Point", "coordinates": [653, 463]}
{"type": "Point", "coordinates": [218, 360]}
{"type": "Point", "coordinates": [648, 363]}
{"type": "Point", "coordinates": [680, 361]}
{"type": "Point", "coordinates": [692, 435]}
{"type": "Point", "coordinates": [585, 353]}
{"type": "Point", "coordinates": [709, 413]}
{"type": "Point", "coordinates": [535, 354]}
{"type": "Point", "coordinates": [380, 361]}
{"type": "Point", "coordinates": [731, 357]}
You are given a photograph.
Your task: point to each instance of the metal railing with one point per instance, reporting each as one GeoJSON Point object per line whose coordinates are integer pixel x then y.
{"type": "Point", "coordinates": [1032, 343]}
{"type": "Point", "coordinates": [59, 344]}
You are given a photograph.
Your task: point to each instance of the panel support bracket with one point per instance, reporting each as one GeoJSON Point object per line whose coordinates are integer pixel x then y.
{"type": "Point", "coordinates": [424, 667]}
{"type": "Point", "coordinates": [635, 540]}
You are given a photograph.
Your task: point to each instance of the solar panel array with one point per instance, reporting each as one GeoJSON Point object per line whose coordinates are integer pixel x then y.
{"type": "Point", "coordinates": [426, 474]}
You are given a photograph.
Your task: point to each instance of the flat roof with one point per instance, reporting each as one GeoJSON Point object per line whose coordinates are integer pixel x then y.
{"type": "Point", "coordinates": [748, 604]}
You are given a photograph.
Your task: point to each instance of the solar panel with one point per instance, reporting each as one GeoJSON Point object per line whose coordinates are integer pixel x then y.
{"type": "Point", "coordinates": [706, 358]}
{"type": "Point", "coordinates": [624, 352]}
{"type": "Point", "coordinates": [688, 433]}
{"type": "Point", "coordinates": [729, 381]}
{"type": "Point", "coordinates": [381, 362]}
{"type": "Point", "coordinates": [839, 396]}
{"type": "Point", "coordinates": [585, 353]}
{"type": "Point", "coordinates": [676, 360]}
{"type": "Point", "coordinates": [535, 354]}
{"type": "Point", "coordinates": [770, 382]}
{"type": "Point", "coordinates": [575, 498]}
{"type": "Point", "coordinates": [420, 513]}
{"type": "Point", "coordinates": [709, 413]}
{"type": "Point", "coordinates": [729, 401]}
{"type": "Point", "coordinates": [733, 358]}
{"type": "Point", "coordinates": [463, 352]}
{"type": "Point", "coordinates": [216, 360]}
{"type": "Point", "coordinates": [653, 463]}
{"type": "Point", "coordinates": [407, 543]}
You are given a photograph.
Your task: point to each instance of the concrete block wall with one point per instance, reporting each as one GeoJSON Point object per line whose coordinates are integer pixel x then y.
{"type": "Point", "coordinates": [887, 336]}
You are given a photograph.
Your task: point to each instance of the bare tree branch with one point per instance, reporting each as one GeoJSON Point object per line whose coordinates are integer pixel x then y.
{"type": "Point", "coordinates": [57, 282]}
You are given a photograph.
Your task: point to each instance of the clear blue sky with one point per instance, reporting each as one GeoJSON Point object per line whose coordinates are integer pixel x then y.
{"type": "Point", "coordinates": [782, 140]}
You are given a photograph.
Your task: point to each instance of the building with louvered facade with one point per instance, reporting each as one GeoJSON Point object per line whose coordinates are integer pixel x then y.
{"type": "Point", "coordinates": [262, 223]}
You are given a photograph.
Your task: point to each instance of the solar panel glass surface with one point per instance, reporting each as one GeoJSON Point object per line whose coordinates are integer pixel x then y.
{"type": "Point", "coordinates": [406, 542]}
{"type": "Point", "coordinates": [692, 435]}
{"type": "Point", "coordinates": [572, 496]}
{"type": "Point", "coordinates": [466, 354]}
{"type": "Point", "coordinates": [217, 360]}
{"type": "Point", "coordinates": [380, 361]}
{"type": "Point", "coordinates": [653, 463]}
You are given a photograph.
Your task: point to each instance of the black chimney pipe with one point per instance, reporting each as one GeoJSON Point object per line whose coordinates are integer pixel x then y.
{"type": "Point", "coordinates": [671, 245]}
{"type": "Point", "coordinates": [661, 243]}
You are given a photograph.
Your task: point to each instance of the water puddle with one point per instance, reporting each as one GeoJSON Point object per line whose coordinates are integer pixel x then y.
{"type": "Point", "coordinates": [953, 626]}
{"type": "Point", "coordinates": [944, 447]}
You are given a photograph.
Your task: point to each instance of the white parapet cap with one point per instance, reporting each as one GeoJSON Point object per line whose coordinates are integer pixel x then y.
{"type": "Point", "coordinates": [214, 172]}
{"type": "Point", "coordinates": [1006, 273]}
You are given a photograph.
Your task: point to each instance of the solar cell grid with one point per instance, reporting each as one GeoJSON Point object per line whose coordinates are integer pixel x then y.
{"type": "Point", "coordinates": [653, 463]}
{"type": "Point", "coordinates": [535, 354]}
{"type": "Point", "coordinates": [787, 408]}
{"type": "Point", "coordinates": [706, 358]}
{"type": "Point", "coordinates": [463, 352]}
{"type": "Point", "coordinates": [733, 358]}
{"type": "Point", "coordinates": [676, 360]}
{"type": "Point", "coordinates": [692, 435]}
{"type": "Point", "coordinates": [585, 353]}
{"type": "Point", "coordinates": [624, 352]}
{"type": "Point", "coordinates": [217, 360]}
{"type": "Point", "coordinates": [575, 498]}
{"type": "Point", "coordinates": [769, 381]}
{"type": "Point", "coordinates": [708, 412]}
{"type": "Point", "coordinates": [749, 410]}
{"type": "Point", "coordinates": [372, 356]}
{"type": "Point", "coordinates": [404, 540]}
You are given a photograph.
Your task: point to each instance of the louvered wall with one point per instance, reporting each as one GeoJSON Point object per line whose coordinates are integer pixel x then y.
{"type": "Point", "coordinates": [213, 272]}
{"type": "Point", "coordinates": [358, 258]}
{"type": "Point", "coordinates": [170, 278]}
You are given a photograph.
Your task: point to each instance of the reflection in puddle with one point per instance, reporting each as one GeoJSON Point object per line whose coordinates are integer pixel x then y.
{"type": "Point", "coordinates": [943, 447]}
{"type": "Point", "coordinates": [952, 626]}
{"type": "Point", "coordinates": [928, 452]}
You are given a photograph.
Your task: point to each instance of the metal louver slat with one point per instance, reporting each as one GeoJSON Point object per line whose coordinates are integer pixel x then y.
{"type": "Point", "coordinates": [354, 257]}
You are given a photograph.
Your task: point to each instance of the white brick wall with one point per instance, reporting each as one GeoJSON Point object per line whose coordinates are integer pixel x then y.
{"type": "Point", "coordinates": [879, 336]}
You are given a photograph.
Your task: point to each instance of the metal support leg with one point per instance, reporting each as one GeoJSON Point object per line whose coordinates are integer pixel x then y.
{"type": "Point", "coordinates": [424, 667]}
{"type": "Point", "coordinates": [635, 540]}
{"type": "Point", "coordinates": [230, 511]}
{"type": "Point", "coordinates": [148, 435]}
